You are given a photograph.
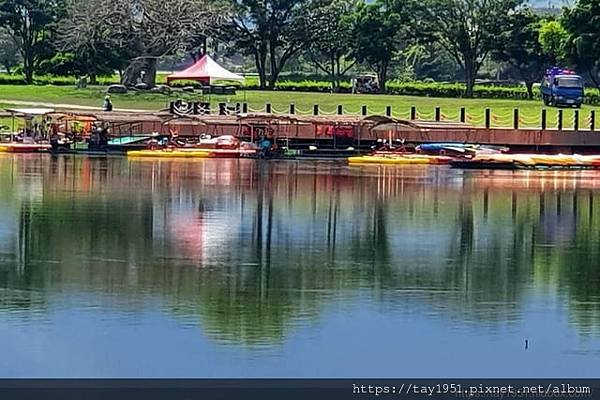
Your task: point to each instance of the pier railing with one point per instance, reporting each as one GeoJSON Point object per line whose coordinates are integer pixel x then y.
{"type": "Point", "coordinates": [501, 117]}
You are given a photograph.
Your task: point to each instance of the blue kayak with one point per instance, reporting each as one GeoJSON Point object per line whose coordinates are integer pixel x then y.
{"type": "Point", "coordinates": [459, 148]}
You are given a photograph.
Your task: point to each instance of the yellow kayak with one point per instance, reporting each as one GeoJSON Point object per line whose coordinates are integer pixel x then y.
{"type": "Point", "coordinates": [399, 159]}
{"type": "Point", "coordinates": [539, 159]}
{"type": "Point", "coordinates": [169, 153]}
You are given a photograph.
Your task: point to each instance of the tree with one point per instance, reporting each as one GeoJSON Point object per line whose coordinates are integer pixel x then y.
{"type": "Point", "coordinates": [520, 48]}
{"type": "Point", "coordinates": [93, 48]}
{"type": "Point", "coordinates": [552, 38]}
{"type": "Point", "coordinates": [31, 24]}
{"type": "Point", "coordinates": [466, 29]}
{"type": "Point", "coordinates": [583, 39]}
{"type": "Point", "coordinates": [330, 37]}
{"type": "Point", "coordinates": [270, 31]}
{"type": "Point", "coordinates": [378, 37]}
{"type": "Point", "coordinates": [9, 51]}
{"type": "Point", "coordinates": [139, 31]}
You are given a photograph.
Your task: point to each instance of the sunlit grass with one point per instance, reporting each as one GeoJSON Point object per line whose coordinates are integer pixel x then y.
{"type": "Point", "coordinates": [501, 110]}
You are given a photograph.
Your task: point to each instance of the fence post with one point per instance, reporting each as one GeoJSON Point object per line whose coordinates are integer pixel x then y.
{"type": "Point", "coordinates": [364, 110]}
{"type": "Point", "coordinates": [576, 120]}
{"type": "Point", "coordinates": [316, 109]}
{"type": "Point", "coordinates": [592, 120]}
{"type": "Point", "coordinates": [438, 113]}
{"type": "Point", "coordinates": [413, 112]}
{"type": "Point", "coordinates": [268, 108]}
{"type": "Point", "coordinates": [516, 118]}
{"type": "Point", "coordinates": [388, 111]}
{"type": "Point", "coordinates": [463, 114]}
{"type": "Point", "coordinates": [340, 109]}
{"type": "Point", "coordinates": [544, 119]}
{"type": "Point", "coordinates": [487, 118]}
{"type": "Point", "coordinates": [292, 108]}
{"type": "Point", "coordinates": [560, 120]}
{"type": "Point", "coordinates": [245, 108]}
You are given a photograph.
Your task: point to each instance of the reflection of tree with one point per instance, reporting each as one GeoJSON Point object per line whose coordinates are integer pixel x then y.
{"type": "Point", "coordinates": [298, 238]}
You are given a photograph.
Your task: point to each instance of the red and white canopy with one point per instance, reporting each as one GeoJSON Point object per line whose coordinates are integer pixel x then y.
{"type": "Point", "coordinates": [205, 70]}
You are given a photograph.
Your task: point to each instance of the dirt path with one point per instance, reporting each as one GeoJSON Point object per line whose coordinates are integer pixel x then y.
{"type": "Point", "coordinates": [63, 106]}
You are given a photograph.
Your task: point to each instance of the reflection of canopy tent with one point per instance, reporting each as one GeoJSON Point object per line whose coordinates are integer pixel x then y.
{"type": "Point", "coordinates": [205, 70]}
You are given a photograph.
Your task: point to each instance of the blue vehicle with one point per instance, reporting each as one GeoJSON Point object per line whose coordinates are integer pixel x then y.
{"type": "Point", "coordinates": [562, 87]}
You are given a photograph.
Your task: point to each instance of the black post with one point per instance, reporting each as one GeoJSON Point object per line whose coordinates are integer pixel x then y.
{"type": "Point", "coordinates": [316, 109]}
{"type": "Point", "coordinates": [292, 109]}
{"type": "Point", "coordinates": [268, 108]}
{"type": "Point", "coordinates": [487, 118]}
{"type": "Point", "coordinates": [222, 109]}
{"type": "Point", "coordinates": [364, 110]}
{"type": "Point", "coordinates": [463, 114]}
{"type": "Point", "coordinates": [388, 111]}
{"type": "Point", "coordinates": [576, 120]}
{"type": "Point", "coordinates": [413, 112]}
{"type": "Point", "coordinates": [245, 108]}
{"type": "Point", "coordinates": [592, 120]}
{"type": "Point", "coordinates": [438, 113]}
{"type": "Point", "coordinates": [560, 120]}
{"type": "Point", "coordinates": [544, 119]}
{"type": "Point", "coordinates": [340, 109]}
{"type": "Point", "coordinates": [516, 118]}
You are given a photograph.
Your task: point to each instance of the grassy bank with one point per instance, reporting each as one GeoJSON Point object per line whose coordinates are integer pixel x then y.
{"type": "Point", "coordinates": [501, 109]}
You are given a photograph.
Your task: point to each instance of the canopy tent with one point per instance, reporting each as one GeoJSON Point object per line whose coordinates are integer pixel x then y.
{"type": "Point", "coordinates": [205, 70]}
{"type": "Point", "coordinates": [30, 112]}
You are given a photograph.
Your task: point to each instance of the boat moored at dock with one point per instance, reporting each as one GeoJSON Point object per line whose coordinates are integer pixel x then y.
{"type": "Point", "coordinates": [12, 147]}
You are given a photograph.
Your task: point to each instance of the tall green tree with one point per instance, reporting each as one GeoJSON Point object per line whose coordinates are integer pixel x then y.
{"type": "Point", "coordinates": [271, 31]}
{"type": "Point", "coordinates": [137, 31]}
{"type": "Point", "coordinates": [520, 48]}
{"type": "Point", "coordinates": [330, 32]}
{"type": "Point", "coordinates": [466, 29]}
{"type": "Point", "coordinates": [9, 51]}
{"type": "Point", "coordinates": [31, 23]}
{"type": "Point", "coordinates": [379, 35]}
{"type": "Point", "coordinates": [553, 38]}
{"type": "Point", "coordinates": [582, 23]}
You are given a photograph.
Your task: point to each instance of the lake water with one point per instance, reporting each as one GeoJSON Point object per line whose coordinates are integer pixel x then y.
{"type": "Point", "coordinates": [238, 268]}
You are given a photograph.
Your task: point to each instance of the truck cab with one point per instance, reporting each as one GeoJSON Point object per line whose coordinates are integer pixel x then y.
{"type": "Point", "coordinates": [562, 87]}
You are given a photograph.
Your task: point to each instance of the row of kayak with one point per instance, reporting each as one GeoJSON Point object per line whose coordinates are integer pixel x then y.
{"type": "Point", "coordinates": [487, 161]}
{"type": "Point", "coordinates": [192, 153]}
{"type": "Point", "coordinates": [472, 157]}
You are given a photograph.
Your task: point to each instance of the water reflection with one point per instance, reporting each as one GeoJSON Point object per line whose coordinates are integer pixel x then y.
{"type": "Point", "coordinates": [249, 252]}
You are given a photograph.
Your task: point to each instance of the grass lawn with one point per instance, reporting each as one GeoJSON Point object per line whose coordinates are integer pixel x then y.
{"type": "Point", "coordinates": [501, 109]}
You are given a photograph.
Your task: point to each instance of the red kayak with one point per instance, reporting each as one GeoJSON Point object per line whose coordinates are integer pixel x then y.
{"type": "Point", "coordinates": [23, 147]}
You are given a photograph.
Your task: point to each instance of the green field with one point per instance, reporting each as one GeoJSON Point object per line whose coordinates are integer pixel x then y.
{"type": "Point", "coordinates": [501, 109]}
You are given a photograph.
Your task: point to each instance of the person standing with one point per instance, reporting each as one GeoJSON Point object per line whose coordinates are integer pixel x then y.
{"type": "Point", "coordinates": [107, 106]}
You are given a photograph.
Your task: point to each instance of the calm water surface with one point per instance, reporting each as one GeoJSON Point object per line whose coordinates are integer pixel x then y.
{"type": "Point", "coordinates": [231, 268]}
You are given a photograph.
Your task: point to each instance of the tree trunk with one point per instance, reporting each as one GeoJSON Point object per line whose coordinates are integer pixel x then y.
{"type": "Point", "coordinates": [529, 85]}
{"type": "Point", "coordinates": [382, 76]}
{"type": "Point", "coordinates": [333, 77]}
{"type": "Point", "coordinates": [469, 77]}
{"type": "Point", "coordinates": [28, 68]}
{"type": "Point", "coordinates": [134, 70]}
{"type": "Point", "coordinates": [260, 61]}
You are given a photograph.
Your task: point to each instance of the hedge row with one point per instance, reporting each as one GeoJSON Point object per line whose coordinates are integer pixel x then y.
{"type": "Point", "coordinates": [450, 90]}
{"type": "Point", "coordinates": [10, 79]}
